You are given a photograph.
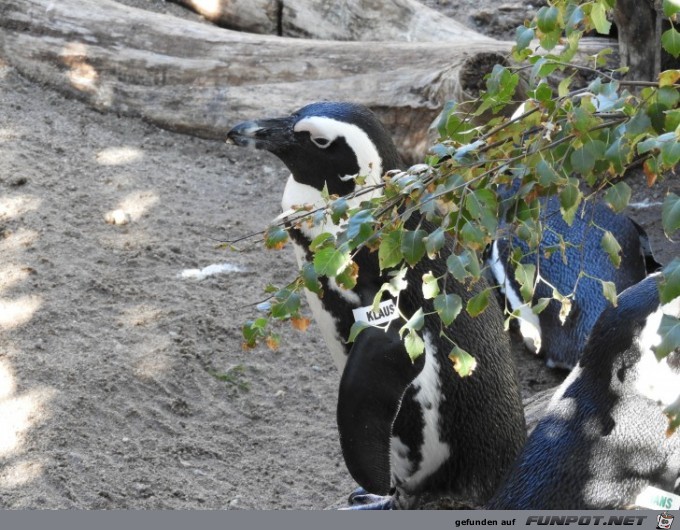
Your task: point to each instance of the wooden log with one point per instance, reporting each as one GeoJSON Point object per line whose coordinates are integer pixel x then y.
{"type": "Point", "coordinates": [200, 79]}
{"type": "Point", "coordinates": [344, 20]}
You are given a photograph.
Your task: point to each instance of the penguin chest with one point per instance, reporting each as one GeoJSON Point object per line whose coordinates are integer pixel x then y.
{"type": "Point", "coordinates": [329, 321]}
{"type": "Point", "coordinates": [416, 456]}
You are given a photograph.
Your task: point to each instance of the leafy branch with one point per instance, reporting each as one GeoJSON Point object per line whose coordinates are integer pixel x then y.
{"type": "Point", "coordinates": [566, 140]}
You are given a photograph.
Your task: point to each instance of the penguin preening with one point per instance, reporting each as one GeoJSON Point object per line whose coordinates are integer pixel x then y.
{"type": "Point", "coordinates": [603, 440]}
{"type": "Point", "coordinates": [405, 427]}
{"type": "Point", "coordinates": [564, 253]}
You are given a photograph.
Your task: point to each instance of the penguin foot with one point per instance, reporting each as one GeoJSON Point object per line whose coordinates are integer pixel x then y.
{"type": "Point", "coordinates": [360, 499]}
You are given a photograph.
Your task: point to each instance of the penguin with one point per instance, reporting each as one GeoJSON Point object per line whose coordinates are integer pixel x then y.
{"type": "Point", "coordinates": [564, 254]}
{"type": "Point", "coordinates": [603, 442]}
{"type": "Point", "coordinates": [406, 427]}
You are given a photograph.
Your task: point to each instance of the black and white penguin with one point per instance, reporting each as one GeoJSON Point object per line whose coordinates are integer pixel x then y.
{"type": "Point", "coordinates": [564, 254]}
{"type": "Point", "coordinates": [405, 427]}
{"type": "Point", "coordinates": [603, 442]}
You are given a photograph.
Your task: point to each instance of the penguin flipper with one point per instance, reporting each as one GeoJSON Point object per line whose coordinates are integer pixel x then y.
{"type": "Point", "coordinates": [374, 380]}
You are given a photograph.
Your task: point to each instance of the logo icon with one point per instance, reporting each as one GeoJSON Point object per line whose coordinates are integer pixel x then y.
{"type": "Point", "coordinates": [664, 520]}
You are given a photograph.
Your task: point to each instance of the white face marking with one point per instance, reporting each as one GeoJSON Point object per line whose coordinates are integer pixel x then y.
{"type": "Point", "coordinates": [653, 379]}
{"type": "Point", "coordinates": [370, 166]}
{"type": "Point", "coordinates": [434, 451]}
{"type": "Point", "coordinates": [368, 158]}
{"type": "Point", "coordinates": [529, 325]}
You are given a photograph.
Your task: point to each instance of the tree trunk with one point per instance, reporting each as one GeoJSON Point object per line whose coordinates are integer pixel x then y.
{"type": "Point", "coordinates": [639, 27]}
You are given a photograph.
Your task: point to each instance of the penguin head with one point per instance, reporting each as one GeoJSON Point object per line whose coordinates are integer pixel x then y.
{"type": "Point", "coordinates": [323, 145]}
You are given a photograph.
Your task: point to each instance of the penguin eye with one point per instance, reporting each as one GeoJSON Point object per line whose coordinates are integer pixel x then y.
{"type": "Point", "coordinates": [320, 141]}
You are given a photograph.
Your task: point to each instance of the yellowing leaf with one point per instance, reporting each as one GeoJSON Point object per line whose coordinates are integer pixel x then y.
{"type": "Point", "coordinates": [463, 363]}
{"type": "Point", "coordinates": [300, 323]}
{"type": "Point", "coordinates": [272, 342]}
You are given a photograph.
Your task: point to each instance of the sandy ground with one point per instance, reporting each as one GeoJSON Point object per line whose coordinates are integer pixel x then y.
{"type": "Point", "coordinates": [123, 383]}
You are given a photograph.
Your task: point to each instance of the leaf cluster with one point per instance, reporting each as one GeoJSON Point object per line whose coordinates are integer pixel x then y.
{"type": "Point", "coordinates": [572, 142]}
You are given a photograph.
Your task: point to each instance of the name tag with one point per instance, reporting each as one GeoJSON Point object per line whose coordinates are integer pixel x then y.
{"type": "Point", "coordinates": [387, 311]}
{"type": "Point", "coordinates": [655, 498]}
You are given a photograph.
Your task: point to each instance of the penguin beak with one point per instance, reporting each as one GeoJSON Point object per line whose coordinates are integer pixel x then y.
{"type": "Point", "coordinates": [270, 134]}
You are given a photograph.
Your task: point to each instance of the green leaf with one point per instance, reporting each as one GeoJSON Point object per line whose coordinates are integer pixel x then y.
{"type": "Point", "coordinates": [525, 275]}
{"type": "Point", "coordinates": [540, 305]}
{"type": "Point", "coordinates": [669, 329]}
{"type": "Point", "coordinates": [639, 124]}
{"type": "Point", "coordinates": [463, 266]}
{"type": "Point", "coordinates": [459, 130]}
{"type": "Point", "coordinates": [670, 40]}
{"type": "Point", "coordinates": [463, 363]}
{"type": "Point", "coordinates": [413, 246]}
{"type": "Point", "coordinates": [325, 239]}
{"type": "Point", "coordinates": [448, 306]}
{"type": "Point", "coordinates": [670, 215]}
{"type": "Point", "coordinates": [254, 330]}
{"type": "Point", "coordinates": [598, 15]}
{"type": "Point", "coordinates": [672, 120]}
{"type": "Point", "coordinates": [609, 292]}
{"type": "Point", "coordinates": [478, 303]}
{"type": "Point", "coordinates": [549, 41]}
{"type": "Point", "coordinates": [670, 7]}
{"type": "Point", "coordinates": [330, 261]}
{"type": "Point", "coordinates": [543, 67]}
{"type": "Point", "coordinates": [482, 205]}
{"type": "Point", "coordinates": [357, 328]}
{"type": "Point", "coordinates": [667, 97]}
{"type": "Point", "coordinates": [275, 237]}
{"type": "Point", "coordinates": [287, 305]}
{"type": "Point", "coordinates": [582, 119]}
{"type": "Point", "coordinates": [611, 246]}
{"type": "Point", "coordinates": [563, 87]}
{"type": "Point", "coordinates": [547, 175]}
{"type": "Point", "coordinates": [669, 287]}
{"type": "Point", "coordinates": [435, 242]}
{"type": "Point", "coordinates": [414, 345]}
{"type": "Point", "coordinates": [339, 209]}
{"type": "Point", "coordinates": [310, 278]}
{"type": "Point", "coordinates": [473, 235]}
{"type": "Point", "coordinates": [547, 18]}
{"type": "Point", "coordinates": [389, 253]}
{"type": "Point", "coordinates": [582, 160]}
{"type": "Point", "coordinates": [347, 277]}
{"type": "Point", "coordinates": [670, 153]}
{"type": "Point", "coordinates": [415, 323]}
{"type": "Point", "coordinates": [575, 19]}
{"type": "Point", "coordinates": [360, 226]}
{"type": "Point", "coordinates": [543, 92]}
{"type": "Point", "coordinates": [523, 37]}
{"type": "Point", "coordinates": [570, 198]}
{"type": "Point", "coordinates": [430, 286]}
{"type": "Point", "coordinates": [618, 196]}
{"type": "Point", "coordinates": [618, 153]}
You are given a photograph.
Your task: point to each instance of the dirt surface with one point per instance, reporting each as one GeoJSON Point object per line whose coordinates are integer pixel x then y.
{"type": "Point", "coordinates": [123, 383]}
